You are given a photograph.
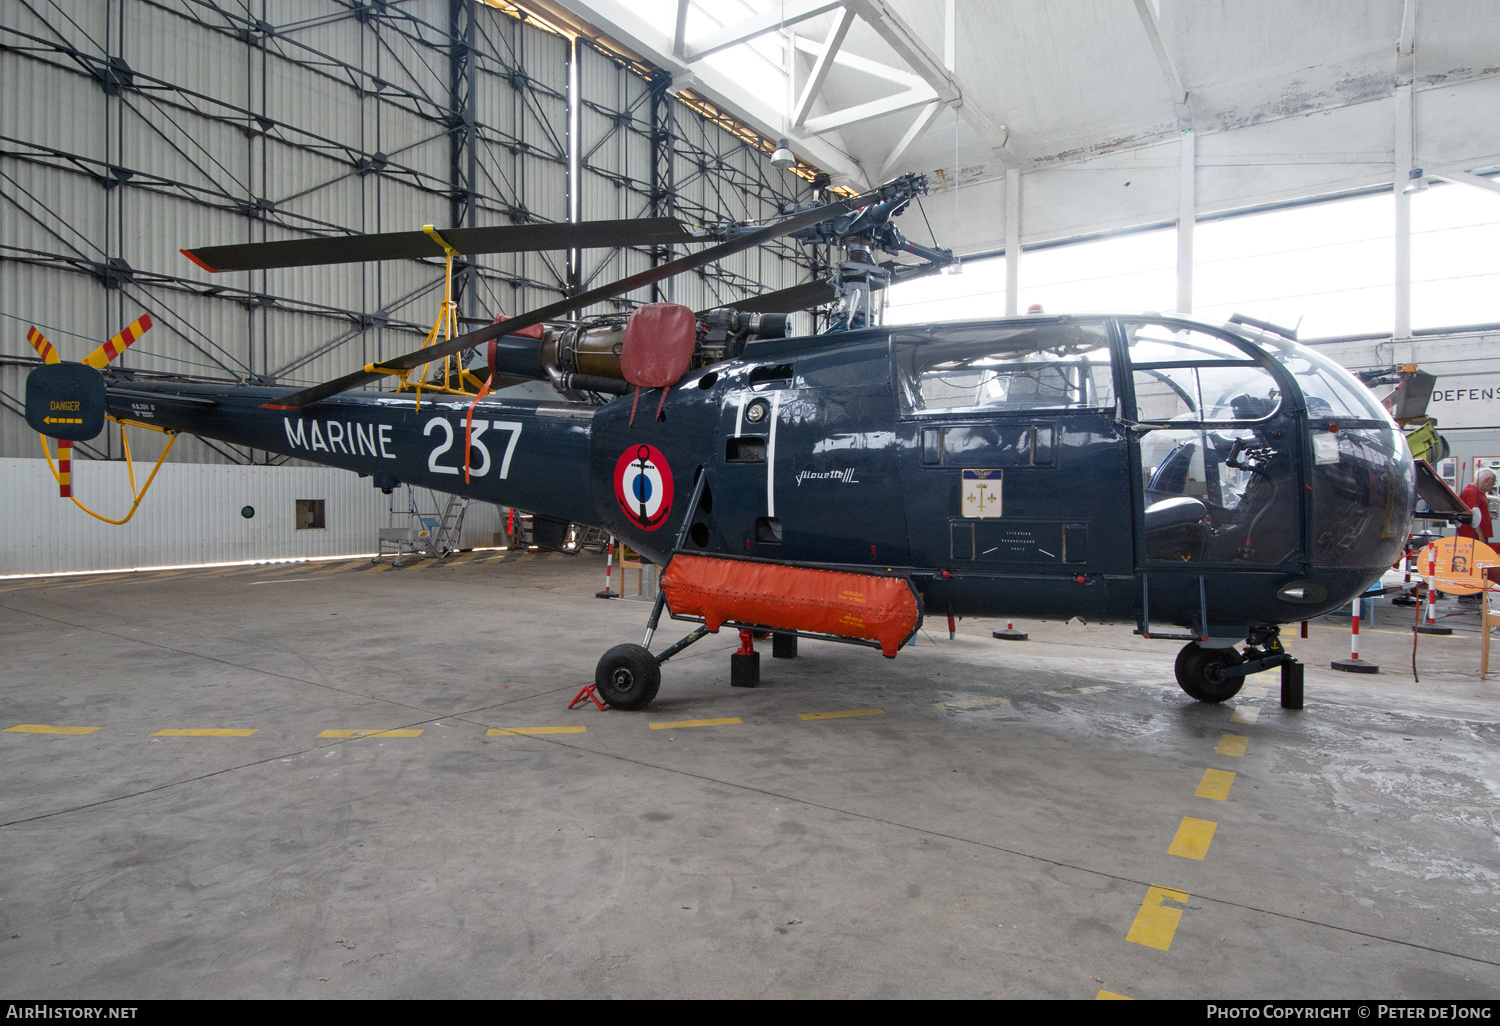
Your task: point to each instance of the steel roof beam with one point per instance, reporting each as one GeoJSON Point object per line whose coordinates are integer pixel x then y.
{"type": "Point", "coordinates": [918, 129]}
{"type": "Point", "coordinates": [613, 19]}
{"type": "Point", "coordinates": [780, 16]}
{"type": "Point", "coordinates": [870, 110]}
{"type": "Point", "coordinates": [820, 69]}
{"type": "Point", "coordinates": [1147, 9]}
{"type": "Point", "coordinates": [901, 38]}
{"type": "Point", "coordinates": [1465, 178]}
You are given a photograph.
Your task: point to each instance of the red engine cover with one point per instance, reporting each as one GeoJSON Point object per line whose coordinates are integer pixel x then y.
{"type": "Point", "coordinates": [844, 605]}
{"type": "Point", "coordinates": [535, 331]}
{"type": "Point", "coordinates": [658, 346]}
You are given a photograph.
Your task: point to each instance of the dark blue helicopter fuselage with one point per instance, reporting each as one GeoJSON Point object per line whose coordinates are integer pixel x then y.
{"type": "Point", "coordinates": [812, 457]}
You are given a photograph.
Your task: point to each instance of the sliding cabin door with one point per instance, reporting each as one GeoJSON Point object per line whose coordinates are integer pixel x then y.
{"type": "Point", "coordinates": [1013, 463]}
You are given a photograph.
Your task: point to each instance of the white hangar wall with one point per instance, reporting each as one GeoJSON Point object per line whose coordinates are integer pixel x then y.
{"type": "Point", "coordinates": [1466, 395]}
{"type": "Point", "coordinates": [192, 515]}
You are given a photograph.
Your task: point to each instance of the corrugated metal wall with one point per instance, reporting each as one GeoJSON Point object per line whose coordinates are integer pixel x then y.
{"type": "Point", "coordinates": [132, 128]}
{"type": "Point", "coordinates": [192, 515]}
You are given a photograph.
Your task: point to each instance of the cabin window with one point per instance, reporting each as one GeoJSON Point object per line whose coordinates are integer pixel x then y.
{"type": "Point", "coordinates": [1000, 369]}
{"type": "Point", "coordinates": [1187, 376]}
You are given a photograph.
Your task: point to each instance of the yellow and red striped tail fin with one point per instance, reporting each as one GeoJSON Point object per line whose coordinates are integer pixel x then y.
{"type": "Point", "coordinates": [43, 348]}
{"type": "Point", "coordinates": [64, 469]}
{"type": "Point", "coordinates": [100, 357]}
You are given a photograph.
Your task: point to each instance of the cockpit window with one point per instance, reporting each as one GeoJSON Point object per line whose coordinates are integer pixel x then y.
{"type": "Point", "coordinates": [1160, 343]}
{"type": "Point", "coordinates": [1330, 390]}
{"type": "Point", "coordinates": [1183, 375]}
{"type": "Point", "coordinates": [1042, 367]}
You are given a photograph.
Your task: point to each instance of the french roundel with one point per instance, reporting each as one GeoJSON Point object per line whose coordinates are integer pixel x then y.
{"type": "Point", "coordinates": [643, 486]}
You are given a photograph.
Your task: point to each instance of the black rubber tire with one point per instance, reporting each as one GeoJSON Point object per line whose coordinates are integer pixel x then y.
{"type": "Point", "coordinates": [628, 677]}
{"type": "Point", "coordinates": [1194, 666]}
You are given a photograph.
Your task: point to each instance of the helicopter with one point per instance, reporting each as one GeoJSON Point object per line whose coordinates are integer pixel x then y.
{"type": "Point", "coordinates": [1207, 484]}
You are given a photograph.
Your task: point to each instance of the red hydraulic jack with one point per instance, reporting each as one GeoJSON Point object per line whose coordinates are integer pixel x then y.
{"type": "Point", "coordinates": [744, 665]}
{"type": "Point", "coordinates": [587, 693]}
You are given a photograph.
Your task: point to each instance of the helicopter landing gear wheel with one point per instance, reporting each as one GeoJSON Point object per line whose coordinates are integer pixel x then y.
{"type": "Point", "coordinates": [628, 677]}
{"type": "Point", "coordinates": [1198, 672]}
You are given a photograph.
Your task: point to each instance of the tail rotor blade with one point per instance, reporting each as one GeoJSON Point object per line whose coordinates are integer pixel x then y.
{"type": "Point", "coordinates": [100, 357]}
{"type": "Point", "coordinates": [43, 348]}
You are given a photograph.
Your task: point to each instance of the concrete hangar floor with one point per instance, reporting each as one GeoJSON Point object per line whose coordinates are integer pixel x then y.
{"type": "Point", "coordinates": [1051, 818]}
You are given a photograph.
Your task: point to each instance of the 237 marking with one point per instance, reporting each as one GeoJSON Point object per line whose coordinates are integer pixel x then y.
{"type": "Point", "coordinates": [480, 427]}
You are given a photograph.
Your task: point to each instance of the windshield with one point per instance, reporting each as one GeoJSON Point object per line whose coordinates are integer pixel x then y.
{"type": "Point", "coordinates": [1330, 390]}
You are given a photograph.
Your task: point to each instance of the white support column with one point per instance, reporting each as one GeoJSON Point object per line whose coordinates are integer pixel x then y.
{"type": "Point", "coordinates": [1399, 179]}
{"type": "Point", "coordinates": [1012, 241]}
{"type": "Point", "coordinates": [1186, 216]}
{"type": "Point", "coordinates": [1404, 157]}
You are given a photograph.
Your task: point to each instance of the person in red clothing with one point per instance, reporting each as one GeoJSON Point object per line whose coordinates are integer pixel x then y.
{"type": "Point", "coordinates": [1475, 495]}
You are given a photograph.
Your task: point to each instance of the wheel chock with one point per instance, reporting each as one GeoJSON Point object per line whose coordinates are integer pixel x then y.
{"type": "Point", "coordinates": [1434, 629]}
{"type": "Point", "coordinates": [1009, 634]}
{"type": "Point", "coordinates": [587, 693]}
{"type": "Point", "coordinates": [1355, 664]}
{"type": "Point", "coordinates": [783, 646]}
{"type": "Point", "coordinates": [744, 665]}
{"type": "Point", "coordinates": [1291, 684]}
{"type": "Point", "coordinates": [744, 670]}
{"type": "Point", "coordinates": [606, 594]}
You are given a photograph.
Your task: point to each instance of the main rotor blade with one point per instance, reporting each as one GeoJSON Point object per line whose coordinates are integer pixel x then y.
{"type": "Point", "coordinates": [559, 309]}
{"type": "Point", "coordinates": [789, 300]}
{"type": "Point", "coordinates": [516, 238]}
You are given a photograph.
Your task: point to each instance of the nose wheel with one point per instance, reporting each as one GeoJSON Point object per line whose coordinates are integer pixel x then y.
{"type": "Point", "coordinates": [1200, 672]}
{"type": "Point", "coordinates": [1216, 674]}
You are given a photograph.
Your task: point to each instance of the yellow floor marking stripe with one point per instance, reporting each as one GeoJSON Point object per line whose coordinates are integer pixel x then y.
{"type": "Point", "coordinates": [42, 728]}
{"type": "Point", "coordinates": [370, 733]}
{"type": "Point", "coordinates": [1232, 744]}
{"type": "Point", "coordinates": [204, 732]}
{"type": "Point", "coordinates": [696, 723]}
{"type": "Point", "coordinates": [1253, 692]}
{"type": "Point", "coordinates": [841, 715]}
{"type": "Point", "coordinates": [372, 568]}
{"type": "Point", "coordinates": [1109, 995]}
{"type": "Point", "coordinates": [104, 579]}
{"type": "Point", "coordinates": [972, 703]}
{"type": "Point", "coordinates": [338, 568]}
{"type": "Point", "coordinates": [1244, 714]}
{"type": "Point", "coordinates": [1155, 923]}
{"type": "Point", "coordinates": [467, 557]}
{"type": "Point", "coordinates": [1215, 784]}
{"type": "Point", "coordinates": [1193, 838]}
{"type": "Point", "coordinates": [495, 731]}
